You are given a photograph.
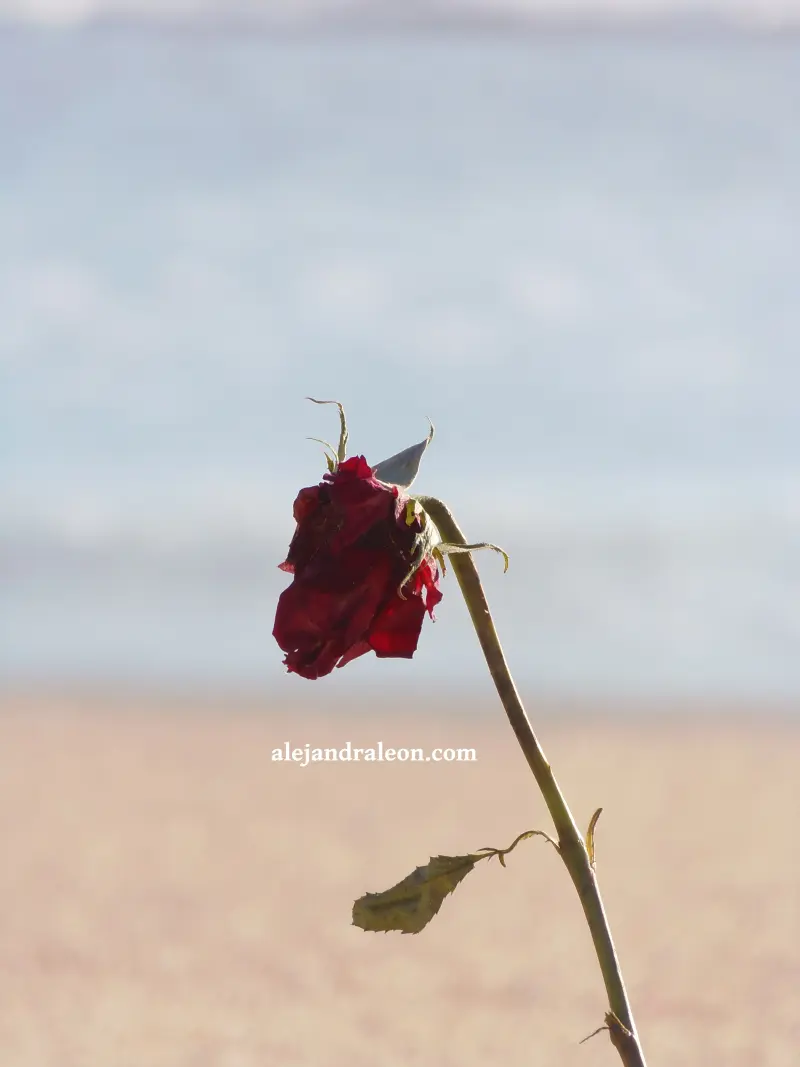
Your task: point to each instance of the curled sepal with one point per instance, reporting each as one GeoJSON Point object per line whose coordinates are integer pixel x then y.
{"type": "Point", "coordinates": [330, 455]}
{"type": "Point", "coordinates": [411, 904]}
{"type": "Point", "coordinates": [341, 452]}
{"type": "Point", "coordinates": [402, 468]}
{"type": "Point", "coordinates": [445, 549]}
{"type": "Point", "coordinates": [425, 544]}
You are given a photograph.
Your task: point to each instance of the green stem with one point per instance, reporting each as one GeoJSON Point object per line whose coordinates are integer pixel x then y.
{"type": "Point", "coordinates": [571, 845]}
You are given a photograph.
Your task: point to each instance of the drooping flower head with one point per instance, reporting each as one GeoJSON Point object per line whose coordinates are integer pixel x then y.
{"type": "Point", "coordinates": [364, 561]}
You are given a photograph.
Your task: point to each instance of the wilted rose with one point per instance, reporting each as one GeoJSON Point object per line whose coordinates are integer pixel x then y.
{"type": "Point", "coordinates": [358, 540]}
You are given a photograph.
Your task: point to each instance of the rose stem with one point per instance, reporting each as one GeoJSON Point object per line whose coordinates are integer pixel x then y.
{"type": "Point", "coordinates": [572, 848]}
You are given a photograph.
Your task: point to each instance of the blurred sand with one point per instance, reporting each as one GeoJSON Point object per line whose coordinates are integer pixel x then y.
{"type": "Point", "coordinates": [170, 896]}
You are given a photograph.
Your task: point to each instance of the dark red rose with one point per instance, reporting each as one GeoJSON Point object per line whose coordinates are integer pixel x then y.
{"type": "Point", "coordinates": [351, 551]}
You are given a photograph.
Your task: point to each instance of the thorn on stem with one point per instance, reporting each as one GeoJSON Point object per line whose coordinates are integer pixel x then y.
{"type": "Point", "coordinates": [594, 1033]}
{"type": "Point", "coordinates": [621, 1037]}
{"type": "Point", "coordinates": [590, 836]}
{"type": "Point", "coordinates": [620, 1034]}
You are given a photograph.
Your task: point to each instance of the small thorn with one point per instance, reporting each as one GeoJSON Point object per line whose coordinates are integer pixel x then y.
{"type": "Point", "coordinates": [594, 1033]}
{"type": "Point", "coordinates": [590, 835]}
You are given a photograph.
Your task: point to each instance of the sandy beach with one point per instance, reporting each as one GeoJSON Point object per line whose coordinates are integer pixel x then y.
{"type": "Point", "coordinates": [172, 897]}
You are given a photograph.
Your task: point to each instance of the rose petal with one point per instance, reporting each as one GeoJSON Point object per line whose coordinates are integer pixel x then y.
{"type": "Point", "coordinates": [324, 613]}
{"type": "Point", "coordinates": [396, 629]}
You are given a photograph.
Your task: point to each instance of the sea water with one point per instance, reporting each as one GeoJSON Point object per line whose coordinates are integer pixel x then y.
{"type": "Point", "coordinates": [578, 254]}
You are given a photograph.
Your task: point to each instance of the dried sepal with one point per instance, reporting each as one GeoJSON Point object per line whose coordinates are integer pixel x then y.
{"type": "Point", "coordinates": [446, 549]}
{"type": "Point", "coordinates": [341, 452]}
{"type": "Point", "coordinates": [330, 455]}
{"type": "Point", "coordinates": [402, 468]}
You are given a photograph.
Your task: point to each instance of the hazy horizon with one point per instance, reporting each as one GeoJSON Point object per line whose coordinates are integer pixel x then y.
{"type": "Point", "coordinates": [297, 14]}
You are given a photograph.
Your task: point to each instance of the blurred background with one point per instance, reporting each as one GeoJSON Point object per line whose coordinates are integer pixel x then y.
{"type": "Point", "coordinates": [566, 233]}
